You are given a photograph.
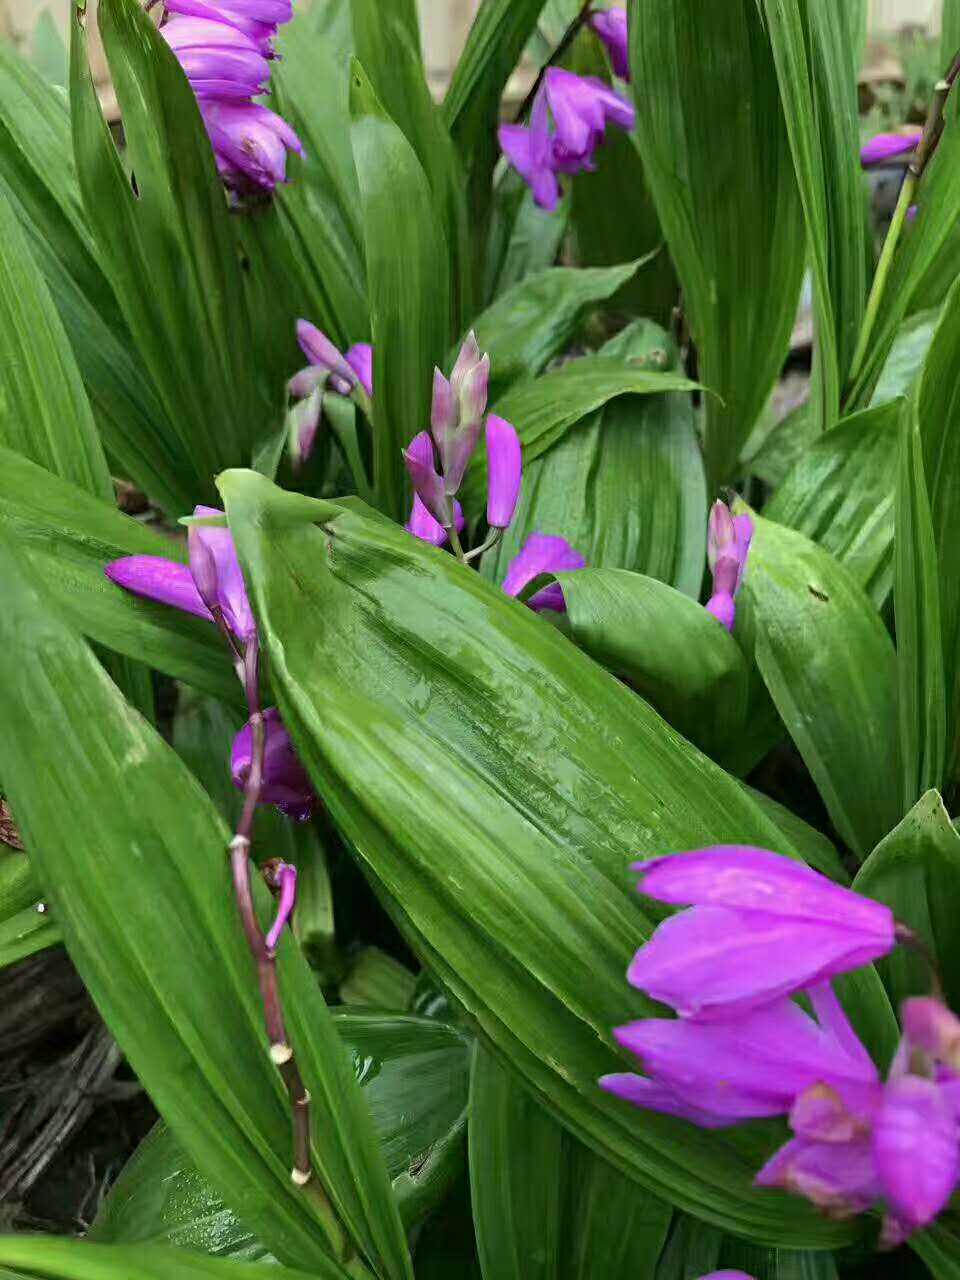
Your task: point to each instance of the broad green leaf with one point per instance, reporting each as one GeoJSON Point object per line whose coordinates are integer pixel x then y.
{"type": "Point", "coordinates": [939, 1247]}
{"type": "Point", "coordinates": [840, 494]}
{"type": "Point", "coordinates": [414, 1075]}
{"type": "Point", "coordinates": [44, 412]}
{"type": "Point", "coordinates": [321, 205]}
{"type": "Point", "coordinates": [19, 886]}
{"type": "Point", "coordinates": [777, 444]}
{"type": "Point", "coordinates": [534, 320]}
{"type": "Point", "coordinates": [415, 690]}
{"type": "Point", "coordinates": [937, 407]}
{"type": "Point", "coordinates": [132, 859]}
{"type": "Point", "coordinates": [170, 248]}
{"type": "Point", "coordinates": [813, 844]}
{"type": "Point", "coordinates": [907, 355]}
{"type": "Point", "coordinates": [625, 486]}
{"type": "Point", "coordinates": [408, 287]}
{"type": "Point", "coordinates": [26, 933]}
{"type": "Point", "coordinates": [377, 980]}
{"type": "Point", "coordinates": [545, 1206]}
{"type": "Point", "coordinates": [497, 38]}
{"type": "Point", "coordinates": [715, 151]}
{"type": "Point", "coordinates": [67, 537]}
{"type": "Point", "coordinates": [390, 55]}
{"type": "Point", "coordinates": [692, 1250]}
{"type": "Point", "coordinates": [46, 1258]}
{"type": "Point", "coordinates": [915, 870]}
{"type": "Point", "coordinates": [921, 703]}
{"type": "Point", "coordinates": [949, 33]}
{"type": "Point", "coordinates": [921, 252]}
{"type": "Point", "coordinates": [545, 408]}
{"type": "Point", "coordinates": [48, 52]}
{"type": "Point", "coordinates": [667, 647]}
{"type": "Point", "coordinates": [830, 668]}
{"type": "Point", "coordinates": [523, 239]}
{"type": "Point", "coordinates": [815, 47]}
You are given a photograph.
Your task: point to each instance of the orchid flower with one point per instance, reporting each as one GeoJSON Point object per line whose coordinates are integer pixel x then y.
{"type": "Point", "coordinates": [611, 26]}
{"type": "Point", "coordinates": [728, 545]}
{"type": "Point", "coordinates": [542, 553]}
{"type": "Point", "coordinates": [285, 781]}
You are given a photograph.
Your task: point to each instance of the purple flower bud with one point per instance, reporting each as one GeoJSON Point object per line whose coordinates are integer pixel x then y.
{"type": "Point", "coordinates": [505, 471]}
{"type": "Point", "coordinates": [582, 107]}
{"type": "Point", "coordinates": [156, 578]}
{"type": "Point", "coordinates": [762, 926]}
{"type": "Point", "coordinates": [728, 545]}
{"type": "Point", "coordinates": [445, 411]}
{"type": "Point", "coordinates": [423, 526]}
{"type": "Point", "coordinates": [530, 151]}
{"type": "Point", "coordinates": [473, 392]}
{"type": "Point", "coordinates": [344, 372]}
{"type": "Point", "coordinates": [360, 360]}
{"type": "Point", "coordinates": [307, 381]}
{"type": "Point", "coordinates": [286, 875]}
{"type": "Point", "coordinates": [933, 1028]}
{"type": "Point", "coordinates": [884, 146]}
{"type": "Point", "coordinates": [542, 553]}
{"type": "Point", "coordinates": [285, 781]}
{"type": "Point", "coordinates": [260, 32]}
{"type": "Point", "coordinates": [427, 482]}
{"type": "Point", "coordinates": [217, 573]}
{"type": "Point", "coordinates": [611, 26]}
{"type": "Point", "coordinates": [915, 1147]}
{"type": "Point", "coordinates": [722, 606]}
{"type": "Point", "coordinates": [303, 421]}
{"type": "Point", "coordinates": [250, 142]}
{"type": "Point", "coordinates": [468, 358]}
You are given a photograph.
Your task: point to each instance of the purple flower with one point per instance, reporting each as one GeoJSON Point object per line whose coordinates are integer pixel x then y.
{"type": "Point", "coordinates": [285, 878]}
{"type": "Point", "coordinates": [761, 926]}
{"type": "Point", "coordinates": [219, 59]}
{"type": "Point", "coordinates": [423, 526]}
{"type": "Point", "coordinates": [542, 553]}
{"type": "Point", "coordinates": [884, 146]}
{"type": "Point", "coordinates": [611, 26]}
{"type": "Point", "coordinates": [457, 411]}
{"type": "Point", "coordinates": [728, 545]}
{"type": "Point", "coordinates": [933, 1028]}
{"type": "Point", "coordinates": [285, 781]}
{"type": "Point", "coordinates": [250, 142]}
{"type": "Point", "coordinates": [426, 480]}
{"type": "Point", "coordinates": [581, 108]}
{"type": "Point", "coordinates": [505, 471]}
{"type": "Point", "coordinates": [345, 373]}
{"type": "Point", "coordinates": [214, 580]}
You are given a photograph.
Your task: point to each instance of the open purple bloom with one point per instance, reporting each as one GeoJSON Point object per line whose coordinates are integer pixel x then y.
{"type": "Point", "coordinates": [505, 466]}
{"type": "Point", "coordinates": [761, 926]}
{"type": "Point", "coordinates": [426, 480]}
{"type": "Point", "coordinates": [250, 142]}
{"type": "Point", "coordinates": [728, 545]}
{"type": "Point", "coordinates": [530, 151]}
{"type": "Point", "coordinates": [885, 146]}
{"type": "Point", "coordinates": [542, 553]}
{"type": "Point", "coordinates": [611, 26]}
{"type": "Point", "coordinates": [214, 579]}
{"type": "Point", "coordinates": [285, 781]}
{"type": "Point", "coordinates": [423, 526]}
{"type": "Point", "coordinates": [219, 59]}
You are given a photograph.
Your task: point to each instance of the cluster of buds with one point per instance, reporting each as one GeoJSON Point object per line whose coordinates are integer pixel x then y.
{"type": "Point", "coordinates": [569, 117]}
{"type": "Point", "coordinates": [328, 370]}
{"type": "Point", "coordinates": [761, 930]}
{"type": "Point", "coordinates": [225, 48]}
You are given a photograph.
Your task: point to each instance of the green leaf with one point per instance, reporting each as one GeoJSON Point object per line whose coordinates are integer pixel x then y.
{"type": "Point", "coordinates": [920, 253]}
{"type": "Point", "coordinates": [815, 847]}
{"type": "Point", "coordinates": [132, 859]}
{"type": "Point", "coordinates": [625, 486]}
{"type": "Point", "coordinates": [937, 407]}
{"type": "Point", "coordinates": [170, 249]}
{"type": "Point", "coordinates": [830, 667]}
{"type": "Point", "coordinates": [534, 320]}
{"type": "Point", "coordinates": [907, 356]}
{"type": "Point", "coordinates": [840, 494]}
{"type": "Point", "coordinates": [44, 413]}
{"type": "Point", "coordinates": [778, 1264]}
{"type": "Point", "coordinates": [545, 408]}
{"type": "Point", "coordinates": [815, 47]}
{"type": "Point", "coordinates": [915, 870]}
{"type": "Point", "coordinates": [19, 886]}
{"type": "Point", "coordinates": [408, 287]}
{"type": "Point", "coordinates": [711, 132]}
{"type": "Point", "coordinates": [545, 1206]}
{"type": "Point", "coordinates": [523, 238]}
{"type": "Point", "coordinates": [46, 1258]}
{"type": "Point", "coordinates": [389, 53]}
{"type": "Point", "coordinates": [692, 1249]}
{"type": "Point", "coordinates": [66, 537]}
{"type": "Point", "coordinates": [26, 933]}
{"type": "Point", "coordinates": [414, 689]}
{"type": "Point", "coordinates": [414, 1075]}
{"type": "Point", "coordinates": [921, 703]}
{"type": "Point", "coordinates": [377, 980]}
{"type": "Point", "coordinates": [497, 38]}
{"type": "Point", "coordinates": [666, 646]}
{"type": "Point", "coordinates": [939, 1247]}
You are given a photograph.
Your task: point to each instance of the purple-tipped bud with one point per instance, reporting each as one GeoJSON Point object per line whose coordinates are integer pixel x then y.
{"type": "Point", "coordinates": [286, 876]}
{"type": "Point", "coordinates": [321, 353]}
{"type": "Point", "coordinates": [728, 545]}
{"type": "Point", "coordinates": [307, 381]}
{"type": "Point", "coordinates": [159, 579]}
{"type": "Point", "coordinates": [303, 421]}
{"type": "Point", "coordinates": [456, 450]}
{"type": "Point", "coordinates": [505, 464]}
{"type": "Point", "coordinates": [723, 608]}
{"type": "Point", "coordinates": [885, 146]}
{"type": "Point", "coordinates": [285, 781]}
{"type": "Point", "coordinates": [468, 359]}
{"type": "Point", "coordinates": [360, 360]}
{"type": "Point", "coordinates": [611, 26]}
{"type": "Point", "coordinates": [542, 553]}
{"type": "Point", "coordinates": [474, 391]}
{"type": "Point", "coordinates": [582, 107]}
{"type": "Point", "coordinates": [762, 926]}
{"type": "Point", "coordinates": [445, 411]}
{"type": "Point", "coordinates": [423, 526]}
{"type": "Point", "coordinates": [932, 1028]}
{"type": "Point", "coordinates": [427, 482]}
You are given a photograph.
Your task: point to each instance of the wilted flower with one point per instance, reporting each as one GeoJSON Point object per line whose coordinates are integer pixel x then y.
{"type": "Point", "coordinates": [213, 582]}
{"type": "Point", "coordinates": [728, 545]}
{"type": "Point", "coordinates": [611, 26]}
{"type": "Point", "coordinates": [542, 553]}
{"type": "Point", "coordinates": [761, 926]}
{"type": "Point", "coordinates": [581, 107]}
{"type": "Point", "coordinates": [885, 146]}
{"type": "Point", "coordinates": [285, 781]}
{"type": "Point", "coordinates": [505, 470]}
{"type": "Point", "coordinates": [225, 47]}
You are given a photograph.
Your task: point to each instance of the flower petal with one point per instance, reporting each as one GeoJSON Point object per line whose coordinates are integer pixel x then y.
{"type": "Point", "coordinates": [886, 145]}
{"type": "Point", "coordinates": [915, 1146]}
{"type": "Point", "coordinates": [360, 360]}
{"type": "Point", "coordinates": [655, 1097]}
{"type": "Point", "coordinates": [505, 471]}
{"type": "Point", "coordinates": [838, 1177]}
{"type": "Point", "coordinates": [157, 578]}
{"type": "Point", "coordinates": [217, 573]}
{"type": "Point", "coordinates": [542, 553]}
{"type": "Point", "coordinates": [285, 781]}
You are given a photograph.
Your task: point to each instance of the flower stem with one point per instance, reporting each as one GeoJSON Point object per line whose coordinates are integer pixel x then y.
{"type": "Point", "coordinates": [566, 41]}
